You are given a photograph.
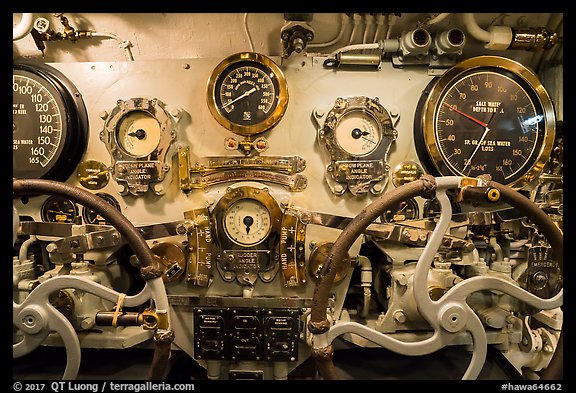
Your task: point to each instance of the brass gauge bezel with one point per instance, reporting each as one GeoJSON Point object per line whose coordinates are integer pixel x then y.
{"type": "Point", "coordinates": [229, 65]}
{"type": "Point", "coordinates": [434, 96]}
{"type": "Point", "coordinates": [260, 196]}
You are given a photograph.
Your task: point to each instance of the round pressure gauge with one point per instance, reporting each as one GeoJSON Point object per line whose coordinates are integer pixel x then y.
{"type": "Point", "coordinates": [50, 123]}
{"type": "Point", "coordinates": [247, 93]}
{"type": "Point", "coordinates": [92, 217]}
{"type": "Point", "coordinates": [486, 115]}
{"type": "Point", "coordinates": [403, 211]}
{"type": "Point", "coordinates": [59, 209]}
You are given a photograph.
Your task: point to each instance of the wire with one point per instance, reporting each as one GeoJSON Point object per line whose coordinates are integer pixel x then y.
{"type": "Point", "coordinates": [123, 44]}
{"type": "Point", "coordinates": [248, 32]}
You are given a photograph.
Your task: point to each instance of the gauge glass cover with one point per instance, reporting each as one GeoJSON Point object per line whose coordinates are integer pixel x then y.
{"type": "Point", "coordinates": [247, 93]}
{"type": "Point", "coordinates": [487, 115]}
{"type": "Point", "coordinates": [247, 222]}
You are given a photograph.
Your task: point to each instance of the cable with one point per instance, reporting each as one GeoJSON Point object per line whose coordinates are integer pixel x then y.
{"type": "Point", "coordinates": [372, 45]}
{"type": "Point", "coordinates": [248, 32]}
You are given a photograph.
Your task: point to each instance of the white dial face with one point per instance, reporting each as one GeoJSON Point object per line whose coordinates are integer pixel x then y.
{"type": "Point", "coordinates": [358, 133]}
{"type": "Point", "coordinates": [247, 222]}
{"type": "Point", "coordinates": [138, 133]}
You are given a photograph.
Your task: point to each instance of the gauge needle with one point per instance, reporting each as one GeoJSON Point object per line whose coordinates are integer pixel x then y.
{"type": "Point", "coordinates": [486, 129]}
{"type": "Point", "coordinates": [453, 108]}
{"type": "Point", "coordinates": [246, 94]}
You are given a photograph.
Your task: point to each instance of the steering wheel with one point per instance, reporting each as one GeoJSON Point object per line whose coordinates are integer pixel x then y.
{"type": "Point", "coordinates": [36, 317]}
{"type": "Point", "coordinates": [449, 315]}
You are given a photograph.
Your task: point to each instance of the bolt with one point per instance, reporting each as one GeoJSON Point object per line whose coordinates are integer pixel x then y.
{"type": "Point", "coordinates": [103, 115]}
{"type": "Point", "coordinates": [399, 316]}
{"type": "Point", "coordinates": [51, 247]}
{"type": "Point", "coordinates": [181, 229]}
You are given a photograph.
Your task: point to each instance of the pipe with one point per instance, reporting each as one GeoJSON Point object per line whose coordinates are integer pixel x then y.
{"type": "Point", "coordinates": [474, 29]}
{"type": "Point", "coordinates": [23, 253]}
{"type": "Point", "coordinates": [366, 283]}
{"type": "Point", "coordinates": [356, 21]}
{"type": "Point", "coordinates": [498, 38]}
{"type": "Point", "coordinates": [24, 27]}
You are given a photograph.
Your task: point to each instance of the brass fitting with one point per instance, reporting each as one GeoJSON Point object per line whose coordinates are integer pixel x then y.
{"type": "Point", "coordinates": [533, 38]}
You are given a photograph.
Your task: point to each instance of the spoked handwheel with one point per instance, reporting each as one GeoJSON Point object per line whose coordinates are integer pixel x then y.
{"type": "Point", "coordinates": [450, 315]}
{"type": "Point", "coordinates": [36, 317]}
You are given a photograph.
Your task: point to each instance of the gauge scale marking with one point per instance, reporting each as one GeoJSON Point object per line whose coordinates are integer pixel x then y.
{"type": "Point", "coordinates": [489, 115]}
{"type": "Point", "coordinates": [50, 122]}
{"type": "Point", "coordinates": [247, 93]}
{"type": "Point", "coordinates": [358, 133]}
{"type": "Point", "coordinates": [247, 222]}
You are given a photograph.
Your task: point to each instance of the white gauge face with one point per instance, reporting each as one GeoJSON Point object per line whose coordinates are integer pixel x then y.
{"type": "Point", "coordinates": [247, 222]}
{"type": "Point", "coordinates": [358, 133]}
{"type": "Point", "coordinates": [138, 133]}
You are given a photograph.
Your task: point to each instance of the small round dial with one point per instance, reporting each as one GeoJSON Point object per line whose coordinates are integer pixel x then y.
{"type": "Point", "coordinates": [59, 209]}
{"type": "Point", "coordinates": [247, 93]}
{"type": "Point", "coordinates": [93, 174]}
{"type": "Point", "coordinates": [138, 133]}
{"type": "Point", "coordinates": [92, 217]}
{"type": "Point", "coordinates": [358, 133]}
{"type": "Point", "coordinates": [247, 222]}
{"type": "Point", "coordinates": [405, 210]}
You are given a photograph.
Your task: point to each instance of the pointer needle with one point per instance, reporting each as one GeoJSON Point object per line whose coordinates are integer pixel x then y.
{"type": "Point", "coordinates": [453, 108]}
{"type": "Point", "coordinates": [245, 94]}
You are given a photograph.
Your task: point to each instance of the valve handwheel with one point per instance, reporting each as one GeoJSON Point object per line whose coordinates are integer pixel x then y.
{"type": "Point", "coordinates": [36, 317]}
{"type": "Point", "coordinates": [448, 315]}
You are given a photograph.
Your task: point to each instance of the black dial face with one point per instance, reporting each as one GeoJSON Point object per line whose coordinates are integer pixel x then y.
{"type": "Point", "coordinates": [49, 124]}
{"type": "Point", "coordinates": [489, 120]}
{"type": "Point", "coordinates": [405, 210]}
{"type": "Point", "coordinates": [247, 93]}
{"type": "Point", "coordinates": [58, 209]}
{"type": "Point", "coordinates": [92, 217]}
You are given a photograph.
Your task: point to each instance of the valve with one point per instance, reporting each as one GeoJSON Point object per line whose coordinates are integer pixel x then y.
{"type": "Point", "coordinates": [296, 33]}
